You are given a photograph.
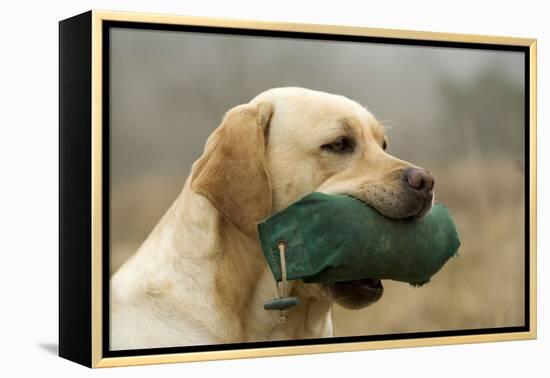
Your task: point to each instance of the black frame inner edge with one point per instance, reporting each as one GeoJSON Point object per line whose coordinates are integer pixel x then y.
{"type": "Point", "coordinates": [106, 25]}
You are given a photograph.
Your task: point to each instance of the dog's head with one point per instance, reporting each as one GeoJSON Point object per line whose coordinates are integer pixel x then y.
{"type": "Point", "coordinates": [288, 142]}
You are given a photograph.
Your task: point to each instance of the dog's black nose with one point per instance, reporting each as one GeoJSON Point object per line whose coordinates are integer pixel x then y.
{"type": "Point", "coordinates": [419, 179]}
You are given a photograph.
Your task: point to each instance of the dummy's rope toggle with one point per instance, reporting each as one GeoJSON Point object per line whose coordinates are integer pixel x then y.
{"type": "Point", "coordinates": [282, 301]}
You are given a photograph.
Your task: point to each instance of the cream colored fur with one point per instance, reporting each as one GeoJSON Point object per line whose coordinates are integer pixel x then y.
{"type": "Point", "coordinates": [200, 277]}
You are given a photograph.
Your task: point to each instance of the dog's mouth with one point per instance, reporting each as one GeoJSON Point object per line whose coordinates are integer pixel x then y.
{"type": "Point", "coordinates": [355, 294]}
{"type": "Point", "coordinates": [415, 207]}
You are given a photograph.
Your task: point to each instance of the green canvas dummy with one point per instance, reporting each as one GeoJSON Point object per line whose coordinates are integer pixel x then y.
{"type": "Point", "coordinates": [332, 238]}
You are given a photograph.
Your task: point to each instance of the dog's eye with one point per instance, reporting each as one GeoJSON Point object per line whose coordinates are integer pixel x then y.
{"type": "Point", "coordinates": [341, 144]}
{"type": "Point", "coordinates": [385, 145]}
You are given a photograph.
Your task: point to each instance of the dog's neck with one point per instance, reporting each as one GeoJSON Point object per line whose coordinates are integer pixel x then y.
{"type": "Point", "coordinates": [206, 251]}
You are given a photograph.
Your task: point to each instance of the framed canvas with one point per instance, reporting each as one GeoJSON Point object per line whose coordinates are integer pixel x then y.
{"type": "Point", "coordinates": [187, 144]}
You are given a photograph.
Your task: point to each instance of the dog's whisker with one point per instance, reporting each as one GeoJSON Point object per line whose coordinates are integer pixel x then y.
{"type": "Point", "coordinates": [388, 124]}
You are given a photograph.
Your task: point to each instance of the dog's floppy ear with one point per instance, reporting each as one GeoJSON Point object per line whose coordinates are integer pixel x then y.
{"type": "Point", "coordinates": [232, 172]}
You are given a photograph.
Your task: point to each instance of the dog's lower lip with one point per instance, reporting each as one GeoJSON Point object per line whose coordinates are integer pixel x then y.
{"type": "Point", "coordinates": [355, 294]}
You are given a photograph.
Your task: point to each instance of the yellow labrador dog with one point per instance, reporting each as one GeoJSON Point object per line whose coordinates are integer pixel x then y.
{"type": "Point", "coordinates": [200, 277]}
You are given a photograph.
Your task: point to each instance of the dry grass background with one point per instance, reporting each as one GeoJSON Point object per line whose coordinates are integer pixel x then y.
{"type": "Point", "coordinates": [458, 113]}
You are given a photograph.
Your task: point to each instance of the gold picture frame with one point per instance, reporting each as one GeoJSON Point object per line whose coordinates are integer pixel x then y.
{"type": "Point", "coordinates": [82, 205]}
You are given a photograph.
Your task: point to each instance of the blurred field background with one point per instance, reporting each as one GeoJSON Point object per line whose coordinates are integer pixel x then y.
{"type": "Point", "coordinates": [457, 112]}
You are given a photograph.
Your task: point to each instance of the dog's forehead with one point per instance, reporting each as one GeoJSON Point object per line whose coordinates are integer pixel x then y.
{"type": "Point", "coordinates": [303, 108]}
{"type": "Point", "coordinates": [305, 100]}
